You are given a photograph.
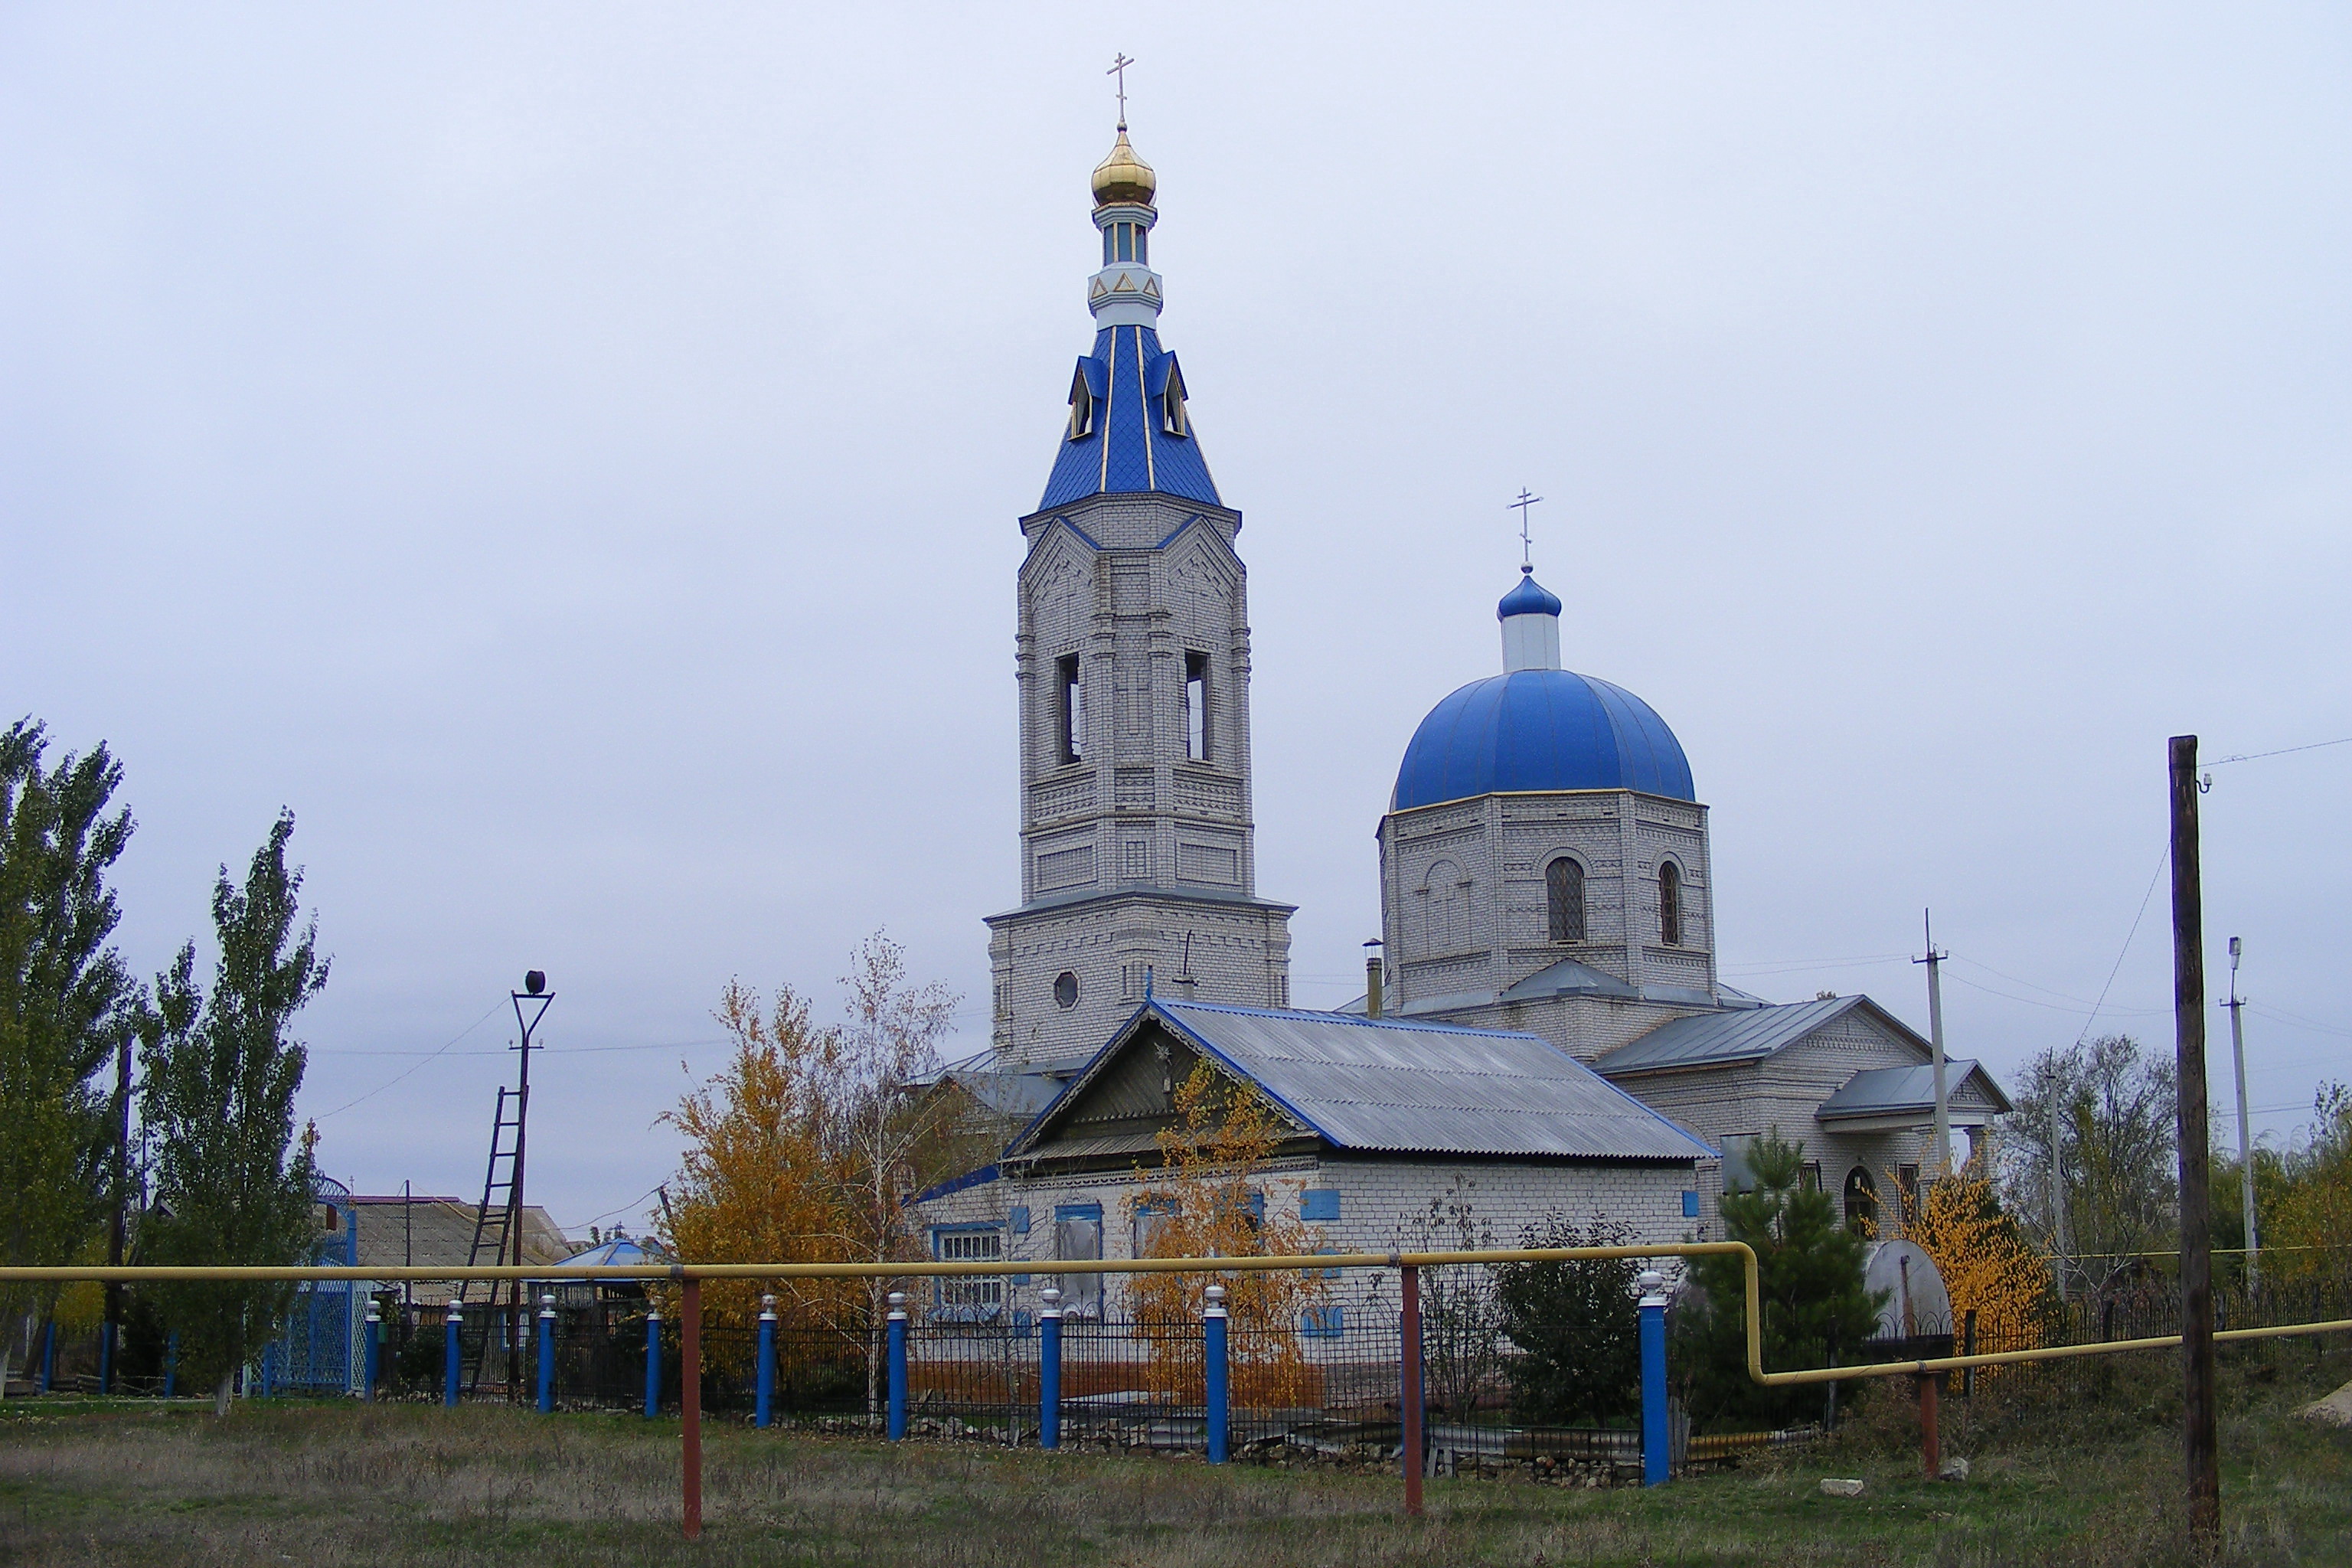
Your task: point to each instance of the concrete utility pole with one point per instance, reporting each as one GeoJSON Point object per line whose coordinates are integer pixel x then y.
{"type": "Point", "coordinates": [2199, 1439]}
{"type": "Point", "coordinates": [1941, 1165]}
{"type": "Point", "coordinates": [2245, 1137]}
{"type": "Point", "coordinates": [2057, 1184]}
{"type": "Point", "coordinates": [118, 1231]}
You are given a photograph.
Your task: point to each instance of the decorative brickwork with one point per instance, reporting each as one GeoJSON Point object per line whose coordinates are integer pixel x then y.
{"type": "Point", "coordinates": [1157, 872]}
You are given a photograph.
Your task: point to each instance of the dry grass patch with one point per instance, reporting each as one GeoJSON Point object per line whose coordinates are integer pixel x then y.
{"type": "Point", "coordinates": [2084, 1481]}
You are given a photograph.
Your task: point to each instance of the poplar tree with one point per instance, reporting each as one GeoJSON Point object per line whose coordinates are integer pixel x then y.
{"type": "Point", "coordinates": [66, 1002]}
{"type": "Point", "coordinates": [231, 1187]}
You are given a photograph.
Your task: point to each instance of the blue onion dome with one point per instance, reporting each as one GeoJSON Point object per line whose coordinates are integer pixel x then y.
{"type": "Point", "coordinates": [1529, 598]}
{"type": "Point", "coordinates": [1540, 730]}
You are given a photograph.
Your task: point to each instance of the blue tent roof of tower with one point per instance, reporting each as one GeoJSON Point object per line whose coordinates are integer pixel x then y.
{"type": "Point", "coordinates": [1129, 449]}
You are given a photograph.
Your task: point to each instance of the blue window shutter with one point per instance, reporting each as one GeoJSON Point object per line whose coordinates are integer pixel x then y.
{"type": "Point", "coordinates": [1257, 1206]}
{"type": "Point", "coordinates": [1078, 1210]}
{"type": "Point", "coordinates": [1019, 1219]}
{"type": "Point", "coordinates": [1690, 1205]}
{"type": "Point", "coordinates": [1319, 1203]}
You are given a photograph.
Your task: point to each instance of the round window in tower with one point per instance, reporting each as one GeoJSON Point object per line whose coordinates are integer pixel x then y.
{"type": "Point", "coordinates": [1066, 989]}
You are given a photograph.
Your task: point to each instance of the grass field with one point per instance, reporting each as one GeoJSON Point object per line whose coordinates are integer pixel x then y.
{"type": "Point", "coordinates": [2088, 1480]}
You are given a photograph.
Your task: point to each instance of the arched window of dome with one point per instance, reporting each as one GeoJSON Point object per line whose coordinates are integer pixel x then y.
{"type": "Point", "coordinates": [1861, 1201]}
{"type": "Point", "coordinates": [1670, 903]}
{"type": "Point", "coordinates": [1564, 900]}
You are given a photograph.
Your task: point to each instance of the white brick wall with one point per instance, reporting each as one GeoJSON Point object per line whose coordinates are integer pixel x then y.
{"type": "Point", "coordinates": [1463, 903]}
{"type": "Point", "coordinates": [1383, 1205]}
{"type": "Point", "coordinates": [1164, 843]}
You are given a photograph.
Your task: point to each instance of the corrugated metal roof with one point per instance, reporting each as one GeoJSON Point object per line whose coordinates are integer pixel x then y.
{"type": "Point", "coordinates": [1567, 978]}
{"type": "Point", "coordinates": [1748, 1034]}
{"type": "Point", "coordinates": [1392, 1086]}
{"type": "Point", "coordinates": [1893, 1092]}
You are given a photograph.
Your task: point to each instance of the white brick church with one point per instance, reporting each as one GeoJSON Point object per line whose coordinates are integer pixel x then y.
{"type": "Point", "coordinates": [1548, 1032]}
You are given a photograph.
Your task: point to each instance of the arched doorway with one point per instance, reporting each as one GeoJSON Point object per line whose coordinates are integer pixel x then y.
{"type": "Point", "coordinates": [1860, 1199]}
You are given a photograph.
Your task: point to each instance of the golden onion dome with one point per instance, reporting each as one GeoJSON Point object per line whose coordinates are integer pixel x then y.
{"type": "Point", "coordinates": [1124, 178]}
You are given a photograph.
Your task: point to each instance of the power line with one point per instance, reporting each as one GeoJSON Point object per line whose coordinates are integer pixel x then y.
{"type": "Point", "coordinates": [2282, 751]}
{"type": "Point", "coordinates": [502, 1050]}
{"type": "Point", "coordinates": [2163, 855]}
{"type": "Point", "coordinates": [379, 1088]}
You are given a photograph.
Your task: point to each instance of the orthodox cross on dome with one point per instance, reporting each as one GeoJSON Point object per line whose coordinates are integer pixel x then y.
{"type": "Point", "coordinates": [1119, 69]}
{"type": "Point", "coordinates": [1527, 546]}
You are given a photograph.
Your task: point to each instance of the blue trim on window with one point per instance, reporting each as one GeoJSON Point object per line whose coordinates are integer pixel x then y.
{"type": "Point", "coordinates": [1690, 1205]}
{"type": "Point", "coordinates": [975, 1229]}
{"type": "Point", "coordinates": [1324, 1323]}
{"type": "Point", "coordinates": [1319, 1203]}
{"type": "Point", "coordinates": [1078, 1210]}
{"type": "Point", "coordinates": [1257, 1206]}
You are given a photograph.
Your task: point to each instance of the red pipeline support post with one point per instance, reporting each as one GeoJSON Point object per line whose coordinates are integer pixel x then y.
{"type": "Point", "coordinates": [1931, 1436]}
{"type": "Point", "coordinates": [1409, 1389]}
{"type": "Point", "coordinates": [689, 1397]}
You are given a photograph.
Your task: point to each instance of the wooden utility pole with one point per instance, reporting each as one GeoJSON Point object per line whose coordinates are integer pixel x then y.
{"type": "Point", "coordinates": [2201, 1445]}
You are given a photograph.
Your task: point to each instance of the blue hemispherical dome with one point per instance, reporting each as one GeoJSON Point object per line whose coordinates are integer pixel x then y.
{"type": "Point", "coordinates": [1541, 730]}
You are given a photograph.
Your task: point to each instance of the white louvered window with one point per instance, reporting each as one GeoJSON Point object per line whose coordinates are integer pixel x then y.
{"type": "Point", "coordinates": [971, 1295]}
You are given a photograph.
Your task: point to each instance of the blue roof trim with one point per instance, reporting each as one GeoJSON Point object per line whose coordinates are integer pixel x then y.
{"type": "Point", "coordinates": [978, 1178]}
{"type": "Point", "coordinates": [1541, 730]}
{"type": "Point", "coordinates": [1241, 1072]}
{"type": "Point", "coordinates": [1128, 453]}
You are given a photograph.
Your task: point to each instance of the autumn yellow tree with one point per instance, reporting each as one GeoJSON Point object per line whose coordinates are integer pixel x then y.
{"type": "Point", "coordinates": [1989, 1264]}
{"type": "Point", "coordinates": [759, 1181]}
{"type": "Point", "coordinates": [811, 1146]}
{"type": "Point", "coordinates": [2306, 1223]}
{"type": "Point", "coordinates": [1206, 1201]}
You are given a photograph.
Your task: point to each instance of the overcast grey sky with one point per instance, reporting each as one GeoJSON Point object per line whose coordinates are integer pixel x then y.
{"type": "Point", "coordinates": [569, 455]}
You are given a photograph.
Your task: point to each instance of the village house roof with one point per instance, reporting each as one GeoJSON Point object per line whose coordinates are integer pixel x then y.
{"type": "Point", "coordinates": [1910, 1091]}
{"type": "Point", "coordinates": [1750, 1034]}
{"type": "Point", "coordinates": [439, 1232]}
{"type": "Point", "coordinates": [1381, 1086]}
{"type": "Point", "coordinates": [1892, 1095]}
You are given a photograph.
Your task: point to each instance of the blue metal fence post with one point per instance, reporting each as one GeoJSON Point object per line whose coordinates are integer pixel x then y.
{"type": "Point", "coordinates": [652, 1361]}
{"type": "Point", "coordinates": [375, 1350]}
{"type": "Point", "coordinates": [547, 1352]}
{"type": "Point", "coordinates": [49, 1357]}
{"type": "Point", "coordinates": [452, 1357]}
{"type": "Point", "coordinates": [1653, 1378]}
{"type": "Point", "coordinates": [171, 1363]}
{"type": "Point", "coordinates": [270, 1370]}
{"type": "Point", "coordinates": [764, 1411]}
{"type": "Point", "coordinates": [1049, 1368]}
{"type": "Point", "coordinates": [1213, 1325]}
{"type": "Point", "coordinates": [106, 1358]}
{"type": "Point", "coordinates": [897, 1428]}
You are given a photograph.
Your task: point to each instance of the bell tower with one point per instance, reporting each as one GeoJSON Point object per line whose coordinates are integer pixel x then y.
{"type": "Point", "coordinates": [1132, 660]}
